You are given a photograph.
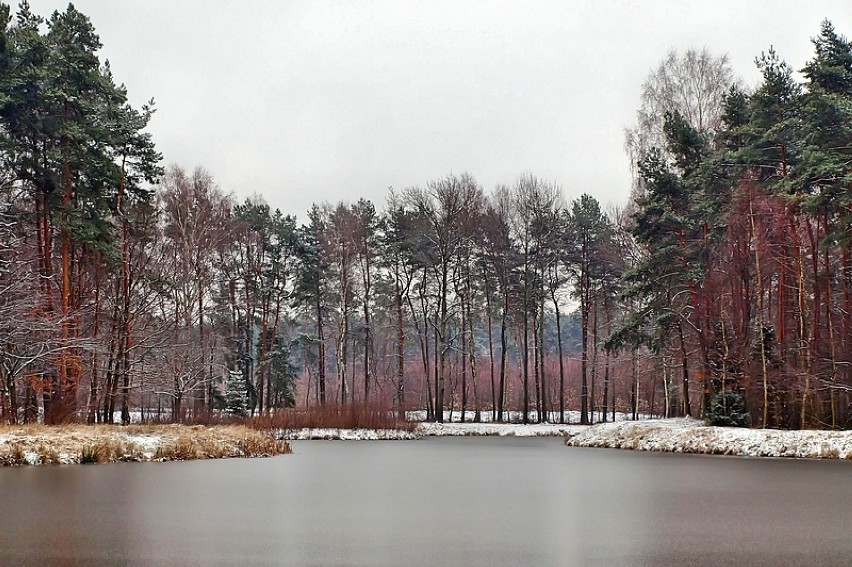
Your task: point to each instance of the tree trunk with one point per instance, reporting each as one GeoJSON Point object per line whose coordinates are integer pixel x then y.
{"type": "Point", "coordinates": [526, 353]}
{"type": "Point", "coordinates": [502, 395]}
{"type": "Point", "coordinates": [477, 416]}
{"type": "Point", "coordinates": [368, 338]}
{"type": "Point", "coordinates": [634, 390]}
{"type": "Point", "coordinates": [584, 331]}
{"type": "Point", "coordinates": [94, 403]}
{"type": "Point", "coordinates": [561, 361]}
{"type": "Point", "coordinates": [490, 345]}
{"type": "Point", "coordinates": [463, 359]}
{"type": "Point", "coordinates": [125, 292]}
{"type": "Point", "coordinates": [606, 390]}
{"type": "Point", "coordinates": [535, 357]}
{"type": "Point", "coordinates": [594, 370]}
{"type": "Point", "coordinates": [687, 409]}
{"type": "Point", "coordinates": [400, 350]}
{"type": "Point", "coordinates": [543, 413]}
{"type": "Point", "coordinates": [760, 330]}
{"type": "Point", "coordinates": [320, 348]}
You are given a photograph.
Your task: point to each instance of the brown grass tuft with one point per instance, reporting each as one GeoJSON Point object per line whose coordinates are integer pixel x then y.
{"type": "Point", "coordinates": [110, 450]}
{"type": "Point", "coordinates": [13, 455]}
{"type": "Point", "coordinates": [826, 452]}
{"type": "Point", "coordinates": [255, 444]}
{"type": "Point", "coordinates": [184, 448]}
{"type": "Point", "coordinates": [47, 455]}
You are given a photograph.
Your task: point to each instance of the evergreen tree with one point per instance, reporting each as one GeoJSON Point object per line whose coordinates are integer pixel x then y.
{"type": "Point", "coordinates": [76, 146]}
{"type": "Point", "coordinates": [589, 235]}
{"type": "Point", "coordinates": [311, 286]}
{"type": "Point", "coordinates": [236, 399]}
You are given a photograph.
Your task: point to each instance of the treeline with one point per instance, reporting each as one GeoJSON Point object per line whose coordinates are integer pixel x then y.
{"type": "Point", "coordinates": [744, 280]}
{"type": "Point", "coordinates": [127, 288]}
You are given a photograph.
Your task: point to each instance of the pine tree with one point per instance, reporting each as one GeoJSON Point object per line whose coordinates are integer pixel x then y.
{"type": "Point", "coordinates": [236, 398]}
{"type": "Point", "coordinates": [588, 236]}
{"type": "Point", "coordinates": [311, 286]}
{"type": "Point", "coordinates": [77, 148]}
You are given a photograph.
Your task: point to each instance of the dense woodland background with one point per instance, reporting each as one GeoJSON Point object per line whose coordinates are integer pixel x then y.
{"type": "Point", "coordinates": [727, 279]}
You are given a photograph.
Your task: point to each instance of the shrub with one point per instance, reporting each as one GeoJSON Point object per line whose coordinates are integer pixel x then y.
{"type": "Point", "coordinates": [93, 454]}
{"type": "Point", "coordinates": [727, 409]}
{"type": "Point", "coordinates": [348, 416]}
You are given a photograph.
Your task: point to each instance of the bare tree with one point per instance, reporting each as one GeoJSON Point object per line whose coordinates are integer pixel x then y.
{"type": "Point", "coordinates": [195, 217]}
{"type": "Point", "coordinates": [448, 205]}
{"type": "Point", "coordinates": [693, 84]}
{"type": "Point", "coordinates": [535, 204]}
{"type": "Point", "coordinates": [499, 255]}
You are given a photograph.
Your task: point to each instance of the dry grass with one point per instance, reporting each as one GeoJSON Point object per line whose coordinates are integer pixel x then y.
{"type": "Point", "coordinates": [39, 444]}
{"type": "Point", "coordinates": [47, 455]}
{"type": "Point", "coordinates": [209, 443]}
{"type": "Point", "coordinates": [350, 416]}
{"type": "Point", "coordinates": [110, 450]}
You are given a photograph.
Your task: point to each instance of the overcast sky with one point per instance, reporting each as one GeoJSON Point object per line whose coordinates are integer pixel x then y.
{"type": "Point", "coordinates": [312, 101]}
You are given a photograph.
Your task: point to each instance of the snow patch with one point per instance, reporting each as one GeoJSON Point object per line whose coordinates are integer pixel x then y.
{"type": "Point", "coordinates": [148, 444]}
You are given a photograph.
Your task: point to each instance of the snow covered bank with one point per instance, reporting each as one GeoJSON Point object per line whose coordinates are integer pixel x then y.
{"type": "Point", "coordinates": [499, 429]}
{"type": "Point", "coordinates": [691, 436]}
{"type": "Point", "coordinates": [66, 444]}
{"type": "Point", "coordinates": [417, 427]}
{"type": "Point", "coordinates": [669, 435]}
{"type": "Point", "coordinates": [429, 430]}
{"type": "Point", "coordinates": [37, 444]}
{"type": "Point", "coordinates": [330, 433]}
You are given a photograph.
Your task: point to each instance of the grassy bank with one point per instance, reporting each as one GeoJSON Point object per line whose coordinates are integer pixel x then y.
{"type": "Point", "coordinates": [65, 444]}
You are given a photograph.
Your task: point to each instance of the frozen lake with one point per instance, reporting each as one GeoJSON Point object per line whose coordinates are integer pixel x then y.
{"type": "Point", "coordinates": [439, 501]}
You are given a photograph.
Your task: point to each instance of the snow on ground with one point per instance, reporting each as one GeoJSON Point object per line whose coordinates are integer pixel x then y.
{"type": "Point", "coordinates": [65, 444]}
{"type": "Point", "coordinates": [39, 444]}
{"type": "Point", "coordinates": [148, 444]}
{"type": "Point", "coordinates": [669, 435]}
{"type": "Point", "coordinates": [428, 430]}
{"type": "Point", "coordinates": [499, 429]}
{"type": "Point", "coordinates": [514, 416]}
{"type": "Point", "coordinates": [692, 436]}
{"type": "Point", "coordinates": [345, 434]}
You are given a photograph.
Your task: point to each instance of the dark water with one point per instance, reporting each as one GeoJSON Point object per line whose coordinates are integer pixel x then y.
{"type": "Point", "coordinates": [463, 501]}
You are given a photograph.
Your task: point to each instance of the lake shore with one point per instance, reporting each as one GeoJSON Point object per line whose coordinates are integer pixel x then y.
{"type": "Point", "coordinates": [71, 444]}
{"type": "Point", "coordinates": [662, 435]}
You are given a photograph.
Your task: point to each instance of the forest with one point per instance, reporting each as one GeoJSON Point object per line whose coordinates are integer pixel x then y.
{"type": "Point", "coordinates": [132, 289]}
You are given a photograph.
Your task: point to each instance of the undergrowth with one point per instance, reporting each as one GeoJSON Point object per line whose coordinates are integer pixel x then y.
{"type": "Point", "coordinates": [349, 416]}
